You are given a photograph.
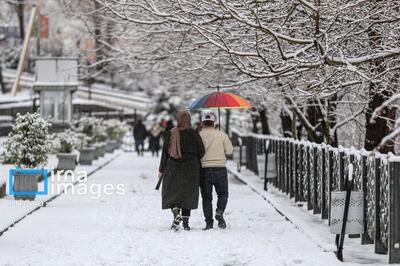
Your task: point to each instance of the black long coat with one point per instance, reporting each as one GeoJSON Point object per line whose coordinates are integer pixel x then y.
{"type": "Point", "coordinates": [180, 185]}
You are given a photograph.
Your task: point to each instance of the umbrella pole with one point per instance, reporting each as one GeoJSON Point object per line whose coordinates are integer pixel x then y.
{"type": "Point", "coordinates": [219, 114]}
{"type": "Point", "coordinates": [219, 118]}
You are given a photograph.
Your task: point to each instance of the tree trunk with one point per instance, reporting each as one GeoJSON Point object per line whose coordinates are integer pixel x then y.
{"type": "Point", "coordinates": [293, 125]}
{"type": "Point", "coordinates": [299, 130]}
{"type": "Point", "coordinates": [264, 122]}
{"type": "Point", "coordinates": [376, 130]}
{"type": "Point", "coordinates": [330, 122]}
{"type": "Point", "coordinates": [315, 117]}
{"type": "Point", "coordinates": [19, 7]}
{"type": "Point", "coordinates": [3, 88]}
{"type": "Point", "coordinates": [286, 120]}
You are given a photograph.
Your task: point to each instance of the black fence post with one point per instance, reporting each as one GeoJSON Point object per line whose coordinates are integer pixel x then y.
{"type": "Point", "coordinates": [324, 180]}
{"type": "Point", "coordinates": [255, 153]}
{"type": "Point", "coordinates": [301, 171]}
{"type": "Point", "coordinates": [254, 156]}
{"type": "Point", "coordinates": [341, 170]}
{"type": "Point", "coordinates": [279, 163]}
{"type": "Point", "coordinates": [240, 143]}
{"type": "Point", "coordinates": [296, 172]}
{"type": "Point", "coordinates": [365, 238]}
{"type": "Point", "coordinates": [316, 208]}
{"type": "Point", "coordinates": [292, 170]}
{"type": "Point", "coordinates": [394, 212]}
{"type": "Point", "coordinates": [379, 247]}
{"type": "Point", "coordinates": [330, 181]}
{"type": "Point", "coordinates": [351, 161]}
{"type": "Point", "coordinates": [280, 149]}
{"type": "Point", "coordinates": [267, 148]}
{"type": "Point", "coordinates": [283, 169]}
{"type": "Point", "coordinates": [284, 165]}
{"type": "Point", "coordinates": [287, 162]}
{"type": "Point", "coordinates": [308, 176]}
{"type": "Point", "coordinates": [275, 150]}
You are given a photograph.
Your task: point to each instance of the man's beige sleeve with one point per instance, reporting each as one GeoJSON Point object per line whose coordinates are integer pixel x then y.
{"type": "Point", "coordinates": [228, 145]}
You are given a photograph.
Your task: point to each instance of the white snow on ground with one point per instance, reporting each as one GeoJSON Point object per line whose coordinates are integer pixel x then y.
{"type": "Point", "coordinates": [12, 210]}
{"type": "Point", "coordinates": [131, 229]}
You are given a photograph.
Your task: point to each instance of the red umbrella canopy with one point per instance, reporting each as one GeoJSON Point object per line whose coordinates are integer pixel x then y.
{"type": "Point", "coordinates": [220, 100]}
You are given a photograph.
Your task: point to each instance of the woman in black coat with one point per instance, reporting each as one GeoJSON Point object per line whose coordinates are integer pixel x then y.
{"type": "Point", "coordinates": [180, 170]}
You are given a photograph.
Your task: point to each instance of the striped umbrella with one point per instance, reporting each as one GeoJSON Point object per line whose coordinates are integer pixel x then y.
{"type": "Point", "coordinates": [219, 100]}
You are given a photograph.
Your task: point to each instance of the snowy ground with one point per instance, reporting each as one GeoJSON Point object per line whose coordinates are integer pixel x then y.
{"type": "Point", "coordinates": [12, 210]}
{"type": "Point", "coordinates": [130, 229]}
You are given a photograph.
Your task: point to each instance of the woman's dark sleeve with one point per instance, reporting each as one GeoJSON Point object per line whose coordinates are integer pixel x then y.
{"type": "Point", "coordinates": [200, 146]}
{"type": "Point", "coordinates": [164, 155]}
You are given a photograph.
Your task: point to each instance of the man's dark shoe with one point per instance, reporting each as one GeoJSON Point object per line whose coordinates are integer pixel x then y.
{"type": "Point", "coordinates": [186, 226]}
{"type": "Point", "coordinates": [208, 226]}
{"type": "Point", "coordinates": [221, 221]}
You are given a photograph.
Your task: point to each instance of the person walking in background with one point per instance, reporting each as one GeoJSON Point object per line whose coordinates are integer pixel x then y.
{"type": "Point", "coordinates": [139, 133]}
{"type": "Point", "coordinates": [180, 170]}
{"type": "Point", "coordinates": [213, 173]}
{"type": "Point", "coordinates": [155, 135]}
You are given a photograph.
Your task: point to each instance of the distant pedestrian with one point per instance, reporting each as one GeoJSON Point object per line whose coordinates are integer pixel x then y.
{"type": "Point", "coordinates": [180, 170]}
{"type": "Point", "coordinates": [213, 173]}
{"type": "Point", "coordinates": [139, 133]}
{"type": "Point", "coordinates": [154, 142]}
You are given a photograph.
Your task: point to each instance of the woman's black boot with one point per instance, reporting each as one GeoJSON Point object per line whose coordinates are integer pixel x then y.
{"type": "Point", "coordinates": [177, 219]}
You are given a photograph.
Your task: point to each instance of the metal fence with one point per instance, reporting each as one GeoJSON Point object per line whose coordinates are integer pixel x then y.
{"type": "Point", "coordinates": [309, 172]}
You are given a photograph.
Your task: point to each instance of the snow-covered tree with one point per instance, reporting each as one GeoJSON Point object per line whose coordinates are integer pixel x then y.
{"type": "Point", "coordinates": [329, 63]}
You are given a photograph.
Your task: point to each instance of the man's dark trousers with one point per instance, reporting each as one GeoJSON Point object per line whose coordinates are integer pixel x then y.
{"type": "Point", "coordinates": [139, 143]}
{"type": "Point", "coordinates": [214, 177]}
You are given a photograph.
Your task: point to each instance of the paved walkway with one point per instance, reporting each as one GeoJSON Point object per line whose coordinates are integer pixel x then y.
{"type": "Point", "coordinates": [131, 229]}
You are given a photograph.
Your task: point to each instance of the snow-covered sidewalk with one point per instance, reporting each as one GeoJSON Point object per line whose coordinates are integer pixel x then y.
{"type": "Point", "coordinates": [131, 229]}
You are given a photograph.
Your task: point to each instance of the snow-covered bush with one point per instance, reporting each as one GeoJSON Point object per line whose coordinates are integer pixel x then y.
{"type": "Point", "coordinates": [92, 127]}
{"type": "Point", "coordinates": [83, 140]}
{"type": "Point", "coordinates": [86, 126]}
{"type": "Point", "coordinates": [27, 144]}
{"type": "Point", "coordinates": [100, 131]}
{"type": "Point", "coordinates": [64, 142]}
{"type": "Point", "coordinates": [115, 129]}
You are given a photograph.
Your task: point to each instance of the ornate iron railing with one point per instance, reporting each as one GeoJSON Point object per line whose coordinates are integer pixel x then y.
{"type": "Point", "coordinates": [309, 172]}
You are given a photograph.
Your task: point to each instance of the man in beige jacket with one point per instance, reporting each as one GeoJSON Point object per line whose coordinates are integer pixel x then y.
{"type": "Point", "coordinates": [213, 173]}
